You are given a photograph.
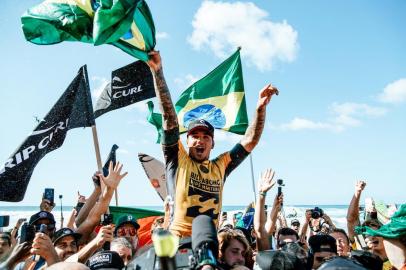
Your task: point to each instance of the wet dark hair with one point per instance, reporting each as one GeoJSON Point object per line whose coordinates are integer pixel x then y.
{"type": "Point", "coordinates": [338, 230]}
{"type": "Point", "coordinates": [287, 231]}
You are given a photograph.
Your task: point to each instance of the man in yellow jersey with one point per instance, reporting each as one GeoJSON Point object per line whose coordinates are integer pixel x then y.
{"type": "Point", "coordinates": [195, 181]}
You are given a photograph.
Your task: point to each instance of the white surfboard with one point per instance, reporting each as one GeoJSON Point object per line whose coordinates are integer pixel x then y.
{"type": "Point", "coordinates": [155, 171]}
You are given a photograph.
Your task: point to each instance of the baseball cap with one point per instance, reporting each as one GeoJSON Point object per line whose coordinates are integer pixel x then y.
{"type": "Point", "coordinates": [294, 221]}
{"type": "Point", "coordinates": [277, 259]}
{"type": "Point", "coordinates": [42, 215]}
{"type": "Point", "coordinates": [105, 260]}
{"type": "Point", "coordinates": [394, 229]}
{"type": "Point", "coordinates": [202, 125]}
{"type": "Point", "coordinates": [127, 219]}
{"type": "Point", "coordinates": [317, 241]}
{"type": "Point", "coordinates": [59, 234]}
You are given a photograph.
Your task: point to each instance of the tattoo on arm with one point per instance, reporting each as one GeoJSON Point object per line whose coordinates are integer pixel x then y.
{"type": "Point", "coordinates": [254, 131]}
{"type": "Point", "coordinates": [170, 120]}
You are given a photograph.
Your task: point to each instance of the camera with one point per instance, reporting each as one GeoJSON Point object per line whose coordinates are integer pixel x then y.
{"type": "Point", "coordinates": [106, 219]}
{"type": "Point", "coordinates": [317, 213]}
{"type": "Point", "coordinates": [280, 185]}
{"type": "Point", "coordinates": [27, 233]}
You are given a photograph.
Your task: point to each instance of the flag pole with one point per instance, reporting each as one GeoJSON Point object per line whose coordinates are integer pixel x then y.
{"type": "Point", "coordinates": [252, 177]}
{"type": "Point", "coordinates": [98, 159]}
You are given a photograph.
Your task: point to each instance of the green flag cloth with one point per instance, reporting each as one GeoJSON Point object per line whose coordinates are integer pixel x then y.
{"type": "Point", "coordinates": [396, 228]}
{"type": "Point", "coordinates": [125, 24]}
{"type": "Point", "coordinates": [218, 98]}
{"type": "Point", "coordinates": [138, 213]}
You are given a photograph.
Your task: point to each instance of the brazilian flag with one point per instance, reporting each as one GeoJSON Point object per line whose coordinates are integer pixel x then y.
{"type": "Point", "coordinates": [218, 98]}
{"type": "Point", "coordinates": [126, 24]}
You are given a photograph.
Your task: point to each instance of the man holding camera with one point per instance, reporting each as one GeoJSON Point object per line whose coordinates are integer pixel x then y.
{"type": "Point", "coordinates": [195, 181]}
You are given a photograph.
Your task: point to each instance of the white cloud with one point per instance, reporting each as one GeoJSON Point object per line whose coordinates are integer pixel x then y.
{"type": "Point", "coordinates": [101, 84]}
{"type": "Point", "coordinates": [183, 82]}
{"type": "Point", "coordinates": [162, 35]}
{"type": "Point", "coordinates": [299, 123]}
{"type": "Point", "coordinates": [394, 92]}
{"type": "Point", "coordinates": [344, 115]}
{"type": "Point", "coordinates": [223, 26]}
{"type": "Point", "coordinates": [348, 114]}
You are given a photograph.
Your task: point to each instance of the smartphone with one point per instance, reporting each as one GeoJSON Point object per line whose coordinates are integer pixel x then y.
{"type": "Point", "coordinates": [27, 233]}
{"type": "Point", "coordinates": [4, 221]}
{"type": "Point", "coordinates": [49, 194]}
{"type": "Point", "coordinates": [279, 191]}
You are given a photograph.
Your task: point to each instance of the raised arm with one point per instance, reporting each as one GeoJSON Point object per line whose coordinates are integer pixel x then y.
{"type": "Point", "coordinates": [353, 210]}
{"type": "Point", "coordinates": [111, 181]}
{"type": "Point", "coordinates": [270, 225]}
{"type": "Point", "coordinates": [254, 131]}
{"type": "Point", "coordinates": [90, 202]}
{"type": "Point", "coordinates": [170, 120]}
{"type": "Point", "coordinates": [265, 184]}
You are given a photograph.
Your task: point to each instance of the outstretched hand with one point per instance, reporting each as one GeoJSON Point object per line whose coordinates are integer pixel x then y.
{"type": "Point", "coordinates": [359, 186]}
{"type": "Point", "coordinates": [154, 61]}
{"type": "Point", "coordinates": [266, 182]}
{"type": "Point", "coordinates": [266, 94]}
{"type": "Point", "coordinates": [113, 179]}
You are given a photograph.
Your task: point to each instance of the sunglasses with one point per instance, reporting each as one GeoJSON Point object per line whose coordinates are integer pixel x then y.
{"type": "Point", "coordinates": [50, 227]}
{"type": "Point", "coordinates": [124, 231]}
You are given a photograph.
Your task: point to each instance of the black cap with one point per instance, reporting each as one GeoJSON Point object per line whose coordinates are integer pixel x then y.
{"type": "Point", "coordinates": [317, 241]}
{"type": "Point", "coordinates": [42, 215]}
{"type": "Point", "coordinates": [65, 232]}
{"type": "Point", "coordinates": [105, 260]}
{"type": "Point", "coordinates": [202, 125]}
{"type": "Point", "coordinates": [126, 219]}
{"type": "Point", "coordinates": [277, 259]}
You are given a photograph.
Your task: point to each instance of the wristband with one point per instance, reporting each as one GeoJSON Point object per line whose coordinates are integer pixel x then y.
{"type": "Point", "coordinates": [262, 194]}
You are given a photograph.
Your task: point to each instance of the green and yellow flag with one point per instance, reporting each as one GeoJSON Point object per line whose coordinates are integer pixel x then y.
{"type": "Point", "coordinates": [126, 24]}
{"type": "Point", "coordinates": [218, 98]}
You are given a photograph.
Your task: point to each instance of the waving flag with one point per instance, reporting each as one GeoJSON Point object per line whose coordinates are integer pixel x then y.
{"type": "Point", "coordinates": [128, 85]}
{"type": "Point", "coordinates": [218, 98]}
{"type": "Point", "coordinates": [125, 24]}
{"type": "Point", "coordinates": [72, 110]}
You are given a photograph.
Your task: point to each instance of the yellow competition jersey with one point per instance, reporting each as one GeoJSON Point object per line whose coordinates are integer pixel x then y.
{"type": "Point", "coordinates": [199, 185]}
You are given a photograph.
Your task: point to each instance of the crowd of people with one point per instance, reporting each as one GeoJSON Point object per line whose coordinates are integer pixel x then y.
{"type": "Point", "coordinates": [195, 186]}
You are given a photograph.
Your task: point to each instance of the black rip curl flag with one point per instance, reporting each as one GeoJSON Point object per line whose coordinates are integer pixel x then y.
{"type": "Point", "coordinates": [72, 110]}
{"type": "Point", "coordinates": [129, 84]}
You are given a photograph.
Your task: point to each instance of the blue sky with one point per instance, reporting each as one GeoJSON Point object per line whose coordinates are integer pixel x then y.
{"type": "Point", "coordinates": [340, 116]}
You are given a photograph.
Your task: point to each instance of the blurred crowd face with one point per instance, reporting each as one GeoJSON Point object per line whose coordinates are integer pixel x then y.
{"type": "Point", "coordinates": [66, 247]}
{"type": "Point", "coordinates": [343, 247]}
{"type": "Point", "coordinates": [129, 232]}
{"type": "Point", "coordinates": [234, 253]}
{"type": "Point", "coordinates": [375, 244]}
{"type": "Point", "coordinates": [284, 239]}
{"type": "Point", "coordinates": [50, 226]}
{"type": "Point", "coordinates": [320, 257]}
{"type": "Point", "coordinates": [124, 252]}
{"type": "Point", "coordinates": [4, 246]}
{"type": "Point", "coordinates": [295, 226]}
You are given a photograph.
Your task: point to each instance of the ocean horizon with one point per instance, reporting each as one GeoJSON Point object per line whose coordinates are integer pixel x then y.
{"type": "Point", "coordinates": [336, 212]}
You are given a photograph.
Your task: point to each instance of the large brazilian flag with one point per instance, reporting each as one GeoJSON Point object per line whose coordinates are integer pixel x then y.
{"type": "Point", "coordinates": [126, 24]}
{"type": "Point", "coordinates": [219, 98]}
